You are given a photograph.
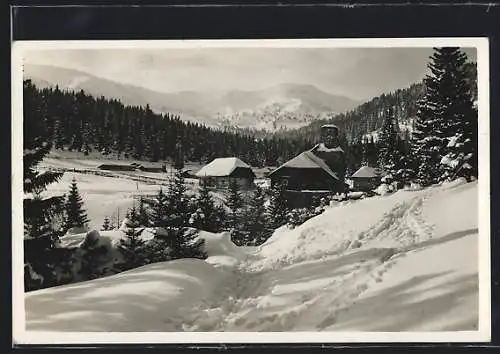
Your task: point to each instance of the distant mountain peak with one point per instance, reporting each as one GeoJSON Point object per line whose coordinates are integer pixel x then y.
{"type": "Point", "coordinates": [278, 106]}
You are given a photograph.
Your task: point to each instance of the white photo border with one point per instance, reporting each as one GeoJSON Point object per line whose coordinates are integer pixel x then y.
{"type": "Point", "coordinates": [483, 334]}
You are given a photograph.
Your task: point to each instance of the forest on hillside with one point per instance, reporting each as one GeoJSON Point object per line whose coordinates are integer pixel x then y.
{"type": "Point", "coordinates": [79, 122]}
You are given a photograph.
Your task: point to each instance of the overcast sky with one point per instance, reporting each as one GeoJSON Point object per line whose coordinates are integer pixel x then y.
{"type": "Point", "coordinates": [352, 72]}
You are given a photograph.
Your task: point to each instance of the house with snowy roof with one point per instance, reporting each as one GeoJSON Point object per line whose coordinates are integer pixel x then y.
{"type": "Point", "coordinates": [117, 167]}
{"type": "Point", "coordinates": [319, 170]}
{"type": "Point", "coordinates": [366, 178]}
{"type": "Point", "coordinates": [152, 167]}
{"type": "Point", "coordinates": [221, 171]}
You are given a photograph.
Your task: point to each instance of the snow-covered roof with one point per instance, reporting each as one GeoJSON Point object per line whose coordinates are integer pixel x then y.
{"type": "Point", "coordinates": [322, 147]}
{"type": "Point", "coordinates": [367, 172]}
{"type": "Point", "coordinates": [329, 126]}
{"type": "Point", "coordinates": [308, 159]}
{"type": "Point", "coordinates": [221, 167]}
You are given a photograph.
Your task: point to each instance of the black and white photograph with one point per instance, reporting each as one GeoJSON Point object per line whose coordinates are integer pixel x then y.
{"type": "Point", "coordinates": [274, 187]}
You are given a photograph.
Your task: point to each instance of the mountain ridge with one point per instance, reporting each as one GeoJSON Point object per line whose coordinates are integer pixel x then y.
{"type": "Point", "coordinates": [274, 106]}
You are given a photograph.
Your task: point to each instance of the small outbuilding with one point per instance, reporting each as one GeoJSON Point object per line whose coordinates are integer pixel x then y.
{"type": "Point", "coordinates": [145, 167]}
{"type": "Point", "coordinates": [221, 171]}
{"type": "Point", "coordinates": [366, 178]}
{"type": "Point", "coordinates": [117, 167]}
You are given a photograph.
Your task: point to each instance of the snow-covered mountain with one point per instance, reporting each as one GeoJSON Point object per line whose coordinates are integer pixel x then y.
{"type": "Point", "coordinates": [283, 105]}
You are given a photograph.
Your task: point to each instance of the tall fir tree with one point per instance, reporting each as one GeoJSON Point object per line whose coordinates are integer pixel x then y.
{"type": "Point", "coordinates": [446, 114]}
{"type": "Point", "coordinates": [178, 204]}
{"type": "Point", "coordinates": [388, 143]}
{"type": "Point", "coordinates": [277, 209]}
{"type": "Point", "coordinates": [76, 216]}
{"type": "Point", "coordinates": [234, 202]}
{"type": "Point", "coordinates": [159, 210]}
{"type": "Point", "coordinates": [255, 219]}
{"type": "Point", "coordinates": [142, 214]}
{"type": "Point", "coordinates": [404, 170]}
{"type": "Point", "coordinates": [207, 215]}
{"type": "Point", "coordinates": [42, 216]}
{"type": "Point", "coordinates": [133, 248]}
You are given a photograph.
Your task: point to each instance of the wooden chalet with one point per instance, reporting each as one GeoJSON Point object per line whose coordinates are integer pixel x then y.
{"type": "Point", "coordinates": [221, 171]}
{"type": "Point", "coordinates": [315, 172]}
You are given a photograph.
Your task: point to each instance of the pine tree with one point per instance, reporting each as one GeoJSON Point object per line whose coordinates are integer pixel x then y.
{"type": "Point", "coordinates": [132, 247]}
{"type": "Point", "coordinates": [446, 114]}
{"type": "Point", "coordinates": [41, 215]}
{"type": "Point", "coordinates": [106, 226]}
{"type": "Point", "coordinates": [277, 209]}
{"type": "Point", "coordinates": [206, 217]}
{"type": "Point", "coordinates": [178, 206]}
{"type": "Point", "coordinates": [234, 203]}
{"type": "Point", "coordinates": [91, 259]}
{"type": "Point", "coordinates": [182, 243]}
{"type": "Point", "coordinates": [142, 215]}
{"type": "Point", "coordinates": [388, 143]}
{"type": "Point", "coordinates": [179, 156]}
{"type": "Point", "coordinates": [256, 219]}
{"type": "Point", "coordinates": [404, 170]}
{"type": "Point", "coordinates": [159, 210]}
{"type": "Point", "coordinates": [75, 214]}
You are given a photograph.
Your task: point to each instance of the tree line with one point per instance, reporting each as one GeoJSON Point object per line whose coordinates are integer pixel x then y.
{"type": "Point", "coordinates": [79, 122]}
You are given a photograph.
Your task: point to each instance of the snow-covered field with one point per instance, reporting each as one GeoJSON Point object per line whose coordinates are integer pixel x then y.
{"type": "Point", "coordinates": [402, 262]}
{"type": "Point", "coordinates": [103, 196]}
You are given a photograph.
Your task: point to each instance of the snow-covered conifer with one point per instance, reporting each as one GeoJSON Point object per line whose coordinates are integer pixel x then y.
{"type": "Point", "coordinates": [106, 225]}
{"type": "Point", "coordinates": [234, 203]}
{"type": "Point", "coordinates": [277, 209]}
{"type": "Point", "coordinates": [205, 217]}
{"type": "Point", "coordinates": [446, 113]}
{"type": "Point", "coordinates": [76, 215]}
{"type": "Point", "coordinates": [255, 219]}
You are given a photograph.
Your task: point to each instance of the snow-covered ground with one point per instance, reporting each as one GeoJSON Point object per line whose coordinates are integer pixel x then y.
{"type": "Point", "coordinates": [403, 262]}
{"type": "Point", "coordinates": [104, 196]}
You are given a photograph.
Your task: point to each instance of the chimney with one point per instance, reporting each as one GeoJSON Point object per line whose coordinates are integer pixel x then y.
{"type": "Point", "coordinates": [334, 158]}
{"type": "Point", "coordinates": [329, 136]}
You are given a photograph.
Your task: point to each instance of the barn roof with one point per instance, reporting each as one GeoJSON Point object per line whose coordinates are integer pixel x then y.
{"type": "Point", "coordinates": [149, 165]}
{"type": "Point", "coordinates": [367, 172]}
{"type": "Point", "coordinates": [117, 165]}
{"type": "Point", "coordinates": [222, 167]}
{"type": "Point", "coordinates": [306, 160]}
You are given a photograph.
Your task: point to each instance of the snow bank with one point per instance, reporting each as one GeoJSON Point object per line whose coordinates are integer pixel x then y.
{"type": "Point", "coordinates": [383, 189]}
{"type": "Point", "coordinates": [424, 291]}
{"type": "Point", "coordinates": [221, 250]}
{"type": "Point", "coordinates": [157, 297]}
{"type": "Point", "coordinates": [356, 195]}
{"type": "Point", "coordinates": [113, 236]}
{"type": "Point", "coordinates": [339, 228]}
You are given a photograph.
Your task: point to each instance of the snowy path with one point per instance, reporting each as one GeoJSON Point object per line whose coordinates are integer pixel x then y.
{"type": "Point", "coordinates": [312, 294]}
{"type": "Point", "coordinates": [381, 264]}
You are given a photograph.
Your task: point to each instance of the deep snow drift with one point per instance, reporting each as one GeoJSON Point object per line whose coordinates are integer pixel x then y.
{"type": "Point", "coordinates": [403, 262]}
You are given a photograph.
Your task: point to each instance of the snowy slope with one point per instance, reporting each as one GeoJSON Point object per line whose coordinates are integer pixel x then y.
{"type": "Point", "coordinates": [405, 262]}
